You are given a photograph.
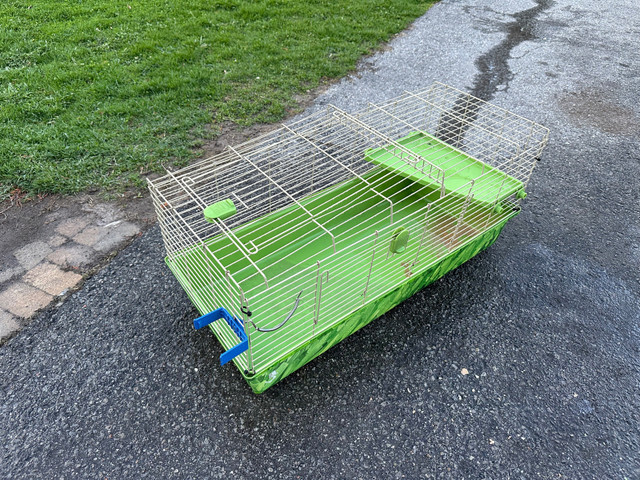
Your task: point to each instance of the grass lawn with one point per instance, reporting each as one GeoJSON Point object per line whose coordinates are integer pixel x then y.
{"type": "Point", "coordinates": [93, 93]}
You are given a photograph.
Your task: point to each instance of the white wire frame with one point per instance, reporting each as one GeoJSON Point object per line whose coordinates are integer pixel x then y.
{"type": "Point", "coordinates": [298, 168]}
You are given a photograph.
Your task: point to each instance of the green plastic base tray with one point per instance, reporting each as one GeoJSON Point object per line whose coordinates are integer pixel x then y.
{"type": "Point", "coordinates": [261, 381]}
{"type": "Point", "coordinates": [300, 345]}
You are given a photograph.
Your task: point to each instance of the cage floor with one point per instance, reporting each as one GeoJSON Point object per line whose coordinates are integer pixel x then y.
{"type": "Point", "coordinates": [298, 258]}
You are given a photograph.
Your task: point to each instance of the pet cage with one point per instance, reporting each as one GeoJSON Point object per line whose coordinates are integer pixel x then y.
{"type": "Point", "coordinates": [291, 241]}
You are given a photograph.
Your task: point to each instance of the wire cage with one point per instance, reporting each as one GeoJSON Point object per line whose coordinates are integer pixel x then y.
{"type": "Point", "coordinates": [293, 240]}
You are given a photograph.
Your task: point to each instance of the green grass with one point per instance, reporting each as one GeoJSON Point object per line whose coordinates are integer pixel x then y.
{"type": "Point", "coordinates": [95, 92]}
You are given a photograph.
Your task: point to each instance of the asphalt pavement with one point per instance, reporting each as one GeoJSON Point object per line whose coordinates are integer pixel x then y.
{"type": "Point", "coordinates": [115, 383]}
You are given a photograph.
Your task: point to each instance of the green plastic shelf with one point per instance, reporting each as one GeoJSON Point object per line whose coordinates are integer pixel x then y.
{"type": "Point", "coordinates": [491, 185]}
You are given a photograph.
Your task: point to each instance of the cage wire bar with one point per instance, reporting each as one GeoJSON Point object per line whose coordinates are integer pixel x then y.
{"type": "Point", "coordinates": [321, 202]}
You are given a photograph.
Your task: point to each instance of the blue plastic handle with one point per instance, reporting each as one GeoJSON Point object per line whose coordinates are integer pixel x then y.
{"type": "Point", "coordinates": [235, 324]}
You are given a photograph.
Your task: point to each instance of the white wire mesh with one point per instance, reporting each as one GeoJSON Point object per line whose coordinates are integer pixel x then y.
{"type": "Point", "coordinates": [318, 200]}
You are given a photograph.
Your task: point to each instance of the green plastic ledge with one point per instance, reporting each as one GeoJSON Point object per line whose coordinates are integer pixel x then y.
{"type": "Point", "coordinates": [219, 210]}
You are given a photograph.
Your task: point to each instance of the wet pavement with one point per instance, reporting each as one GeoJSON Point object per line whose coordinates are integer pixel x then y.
{"type": "Point", "coordinates": [522, 363]}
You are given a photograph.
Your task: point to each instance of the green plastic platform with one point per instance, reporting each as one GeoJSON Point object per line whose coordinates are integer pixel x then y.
{"type": "Point", "coordinates": [491, 185]}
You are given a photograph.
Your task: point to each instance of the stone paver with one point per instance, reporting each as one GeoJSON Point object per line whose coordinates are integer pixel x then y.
{"type": "Point", "coordinates": [39, 273]}
{"type": "Point", "coordinates": [8, 325]}
{"type": "Point", "coordinates": [74, 256]}
{"type": "Point", "coordinates": [23, 300]}
{"type": "Point", "coordinates": [90, 235]}
{"type": "Point", "coordinates": [115, 235]}
{"type": "Point", "coordinates": [32, 254]}
{"type": "Point", "coordinates": [9, 273]}
{"type": "Point", "coordinates": [56, 241]}
{"type": "Point", "coordinates": [51, 278]}
{"type": "Point", "coordinates": [72, 226]}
